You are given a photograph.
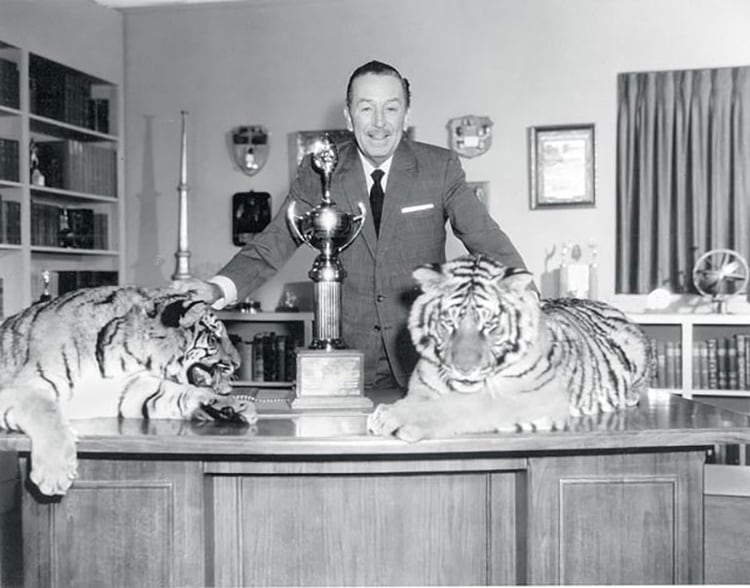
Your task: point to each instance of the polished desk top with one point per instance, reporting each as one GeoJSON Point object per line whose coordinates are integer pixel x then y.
{"type": "Point", "coordinates": [660, 420]}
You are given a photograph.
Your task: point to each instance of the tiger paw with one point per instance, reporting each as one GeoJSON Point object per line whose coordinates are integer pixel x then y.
{"type": "Point", "coordinates": [228, 408]}
{"type": "Point", "coordinates": [542, 424]}
{"type": "Point", "coordinates": [211, 406]}
{"type": "Point", "coordinates": [54, 464]}
{"type": "Point", "coordinates": [387, 420]}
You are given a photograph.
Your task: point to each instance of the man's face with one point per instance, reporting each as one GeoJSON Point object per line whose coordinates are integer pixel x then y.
{"type": "Point", "coordinates": [377, 115]}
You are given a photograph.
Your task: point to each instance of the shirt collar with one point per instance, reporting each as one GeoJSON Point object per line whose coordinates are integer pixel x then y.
{"type": "Point", "coordinates": [369, 168]}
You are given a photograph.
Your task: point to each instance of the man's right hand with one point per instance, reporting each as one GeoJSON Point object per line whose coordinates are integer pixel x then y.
{"type": "Point", "coordinates": [201, 289]}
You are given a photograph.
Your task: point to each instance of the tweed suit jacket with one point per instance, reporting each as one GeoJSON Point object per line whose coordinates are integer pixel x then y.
{"type": "Point", "coordinates": [426, 187]}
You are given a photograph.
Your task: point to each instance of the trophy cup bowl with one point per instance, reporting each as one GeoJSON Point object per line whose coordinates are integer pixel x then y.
{"type": "Point", "coordinates": [328, 230]}
{"type": "Point", "coordinates": [328, 374]}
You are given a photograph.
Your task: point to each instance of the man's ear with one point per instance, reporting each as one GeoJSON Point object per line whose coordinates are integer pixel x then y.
{"type": "Point", "coordinates": [348, 117]}
{"type": "Point", "coordinates": [406, 119]}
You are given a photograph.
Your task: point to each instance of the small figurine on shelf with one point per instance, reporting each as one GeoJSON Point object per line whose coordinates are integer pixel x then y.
{"type": "Point", "coordinates": [574, 273]}
{"type": "Point", "coordinates": [37, 177]}
{"type": "Point", "coordinates": [289, 302]}
{"type": "Point", "coordinates": [45, 291]}
{"type": "Point", "coordinates": [249, 305]}
{"type": "Point", "coordinates": [66, 237]}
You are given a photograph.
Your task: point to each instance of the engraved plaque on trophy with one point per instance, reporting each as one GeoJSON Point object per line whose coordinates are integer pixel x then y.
{"type": "Point", "coordinates": [329, 375]}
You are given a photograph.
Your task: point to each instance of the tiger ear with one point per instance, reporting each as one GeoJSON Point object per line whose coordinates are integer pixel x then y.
{"type": "Point", "coordinates": [429, 277]}
{"type": "Point", "coordinates": [182, 313]}
{"type": "Point", "coordinates": [518, 281]}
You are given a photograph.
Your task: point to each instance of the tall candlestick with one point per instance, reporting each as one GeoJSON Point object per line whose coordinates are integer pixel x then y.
{"type": "Point", "coordinates": [182, 267]}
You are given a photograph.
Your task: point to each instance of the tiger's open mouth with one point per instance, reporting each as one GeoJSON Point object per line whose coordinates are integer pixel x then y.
{"type": "Point", "coordinates": [466, 386]}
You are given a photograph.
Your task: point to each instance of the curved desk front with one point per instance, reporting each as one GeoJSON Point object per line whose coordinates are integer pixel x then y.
{"type": "Point", "coordinates": [311, 499]}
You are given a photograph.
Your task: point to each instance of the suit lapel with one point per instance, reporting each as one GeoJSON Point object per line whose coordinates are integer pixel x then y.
{"type": "Point", "coordinates": [401, 180]}
{"type": "Point", "coordinates": [351, 176]}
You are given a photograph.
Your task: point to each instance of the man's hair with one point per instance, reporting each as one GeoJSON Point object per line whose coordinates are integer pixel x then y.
{"type": "Point", "coordinates": [378, 68]}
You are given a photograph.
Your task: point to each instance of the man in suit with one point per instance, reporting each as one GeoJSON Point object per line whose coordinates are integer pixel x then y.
{"type": "Point", "coordinates": [420, 188]}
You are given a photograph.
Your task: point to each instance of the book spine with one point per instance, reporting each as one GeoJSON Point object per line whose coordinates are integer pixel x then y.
{"type": "Point", "coordinates": [671, 369]}
{"type": "Point", "coordinates": [258, 369]}
{"type": "Point", "coordinates": [722, 364]}
{"type": "Point", "coordinates": [732, 367]}
{"type": "Point", "coordinates": [713, 363]}
{"type": "Point", "coordinates": [661, 364]}
{"type": "Point", "coordinates": [739, 343]}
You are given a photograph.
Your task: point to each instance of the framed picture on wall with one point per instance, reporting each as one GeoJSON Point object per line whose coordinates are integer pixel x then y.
{"type": "Point", "coordinates": [561, 166]}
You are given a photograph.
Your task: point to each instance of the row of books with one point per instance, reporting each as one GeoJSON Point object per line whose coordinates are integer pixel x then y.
{"type": "Point", "coordinates": [59, 92]}
{"type": "Point", "coordinates": [9, 84]}
{"type": "Point", "coordinates": [78, 166]}
{"type": "Point", "coordinates": [730, 454]}
{"type": "Point", "coordinates": [668, 372]}
{"type": "Point", "coordinates": [722, 363]}
{"type": "Point", "coordinates": [9, 159]}
{"type": "Point", "coordinates": [717, 363]}
{"type": "Point", "coordinates": [63, 281]}
{"type": "Point", "coordinates": [59, 226]}
{"type": "Point", "coordinates": [10, 221]}
{"type": "Point", "coordinates": [267, 357]}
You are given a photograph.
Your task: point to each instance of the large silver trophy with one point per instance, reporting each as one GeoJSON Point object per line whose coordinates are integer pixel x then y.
{"type": "Point", "coordinates": [328, 374]}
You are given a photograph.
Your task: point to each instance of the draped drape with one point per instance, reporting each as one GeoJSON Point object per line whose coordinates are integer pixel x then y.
{"type": "Point", "coordinates": [683, 173]}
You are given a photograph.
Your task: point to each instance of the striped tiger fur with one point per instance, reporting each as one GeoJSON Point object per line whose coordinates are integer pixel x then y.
{"type": "Point", "coordinates": [493, 358]}
{"type": "Point", "coordinates": [123, 352]}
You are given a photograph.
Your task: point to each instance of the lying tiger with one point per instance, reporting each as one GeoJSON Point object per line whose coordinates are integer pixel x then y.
{"type": "Point", "coordinates": [493, 359]}
{"type": "Point", "coordinates": [110, 352]}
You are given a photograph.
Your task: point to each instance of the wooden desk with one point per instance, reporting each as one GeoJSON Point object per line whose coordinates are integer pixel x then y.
{"type": "Point", "coordinates": [313, 500]}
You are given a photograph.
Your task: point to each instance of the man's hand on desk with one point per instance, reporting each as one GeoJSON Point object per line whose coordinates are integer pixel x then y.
{"type": "Point", "coordinates": [202, 289]}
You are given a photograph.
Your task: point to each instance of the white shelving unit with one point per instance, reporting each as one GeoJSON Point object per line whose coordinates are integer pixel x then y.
{"type": "Point", "coordinates": [51, 109]}
{"type": "Point", "coordinates": [693, 328]}
{"type": "Point", "coordinates": [688, 325]}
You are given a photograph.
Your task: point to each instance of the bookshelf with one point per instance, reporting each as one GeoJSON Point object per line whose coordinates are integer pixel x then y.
{"type": "Point", "coordinates": [60, 178]}
{"type": "Point", "coordinates": [688, 334]}
{"type": "Point", "coordinates": [708, 356]}
{"type": "Point", "coordinates": [267, 342]}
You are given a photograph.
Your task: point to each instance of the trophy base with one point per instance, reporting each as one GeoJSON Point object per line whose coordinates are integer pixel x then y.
{"type": "Point", "coordinates": [330, 379]}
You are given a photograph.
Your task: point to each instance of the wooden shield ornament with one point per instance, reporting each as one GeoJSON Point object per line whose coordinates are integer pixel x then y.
{"type": "Point", "coordinates": [470, 135]}
{"type": "Point", "coordinates": [250, 147]}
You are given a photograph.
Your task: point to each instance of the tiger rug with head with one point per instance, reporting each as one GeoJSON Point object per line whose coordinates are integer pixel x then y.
{"type": "Point", "coordinates": [121, 352]}
{"type": "Point", "coordinates": [492, 358]}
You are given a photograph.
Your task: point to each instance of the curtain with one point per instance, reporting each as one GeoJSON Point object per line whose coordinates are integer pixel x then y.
{"type": "Point", "coordinates": [683, 173]}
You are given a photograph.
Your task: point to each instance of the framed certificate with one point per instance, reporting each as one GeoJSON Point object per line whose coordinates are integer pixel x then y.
{"type": "Point", "coordinates": [561, 166]}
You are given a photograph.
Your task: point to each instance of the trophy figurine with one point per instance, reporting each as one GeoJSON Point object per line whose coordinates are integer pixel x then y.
{"type": "Point", "coordinates": [328, 374]}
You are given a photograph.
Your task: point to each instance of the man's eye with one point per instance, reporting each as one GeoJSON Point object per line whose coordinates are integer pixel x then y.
{"type": "Point", "coordinates": [365, 108]}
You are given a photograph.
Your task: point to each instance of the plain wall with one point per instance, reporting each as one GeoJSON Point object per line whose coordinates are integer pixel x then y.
{"type": "Point", "coordinates": [284, 65]}
{"type": "Point", "coordinates": [78, 33]}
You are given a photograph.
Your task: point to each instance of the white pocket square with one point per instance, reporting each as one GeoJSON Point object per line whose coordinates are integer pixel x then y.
{"type": "Point", "coordinates": [416, 208]}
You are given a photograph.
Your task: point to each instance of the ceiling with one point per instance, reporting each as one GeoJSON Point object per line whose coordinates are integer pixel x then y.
{"type": "Point", "coordinates": [142, 3]}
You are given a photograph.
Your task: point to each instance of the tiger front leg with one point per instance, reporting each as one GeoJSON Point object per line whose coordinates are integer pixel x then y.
{"type": "Point", "coordinates": [32, 411]}
{"type": "Point", "coordinates": [416, 419]}
{"type": "Point", "coordinates": [164, 399]}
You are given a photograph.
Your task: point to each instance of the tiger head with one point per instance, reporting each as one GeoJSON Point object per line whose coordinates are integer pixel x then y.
{"type": "Point", "coordinates": [474, 318]}
{"type": "Point", "coordinates": [207, 356]}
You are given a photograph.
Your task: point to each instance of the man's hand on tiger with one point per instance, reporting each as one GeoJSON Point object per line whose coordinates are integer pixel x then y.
{"type": "Point", "coordinates": [202, 289]}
